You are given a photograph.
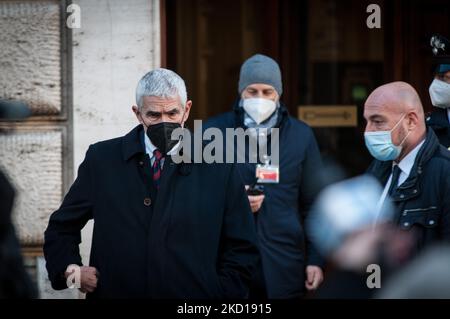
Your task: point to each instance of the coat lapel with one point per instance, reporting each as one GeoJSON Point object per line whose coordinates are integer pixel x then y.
{"type": "Point", "coordinates": [161, 209]}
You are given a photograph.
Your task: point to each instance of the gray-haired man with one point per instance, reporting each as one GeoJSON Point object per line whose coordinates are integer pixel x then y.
{"type": "Point", "coordinates": [162, 230]}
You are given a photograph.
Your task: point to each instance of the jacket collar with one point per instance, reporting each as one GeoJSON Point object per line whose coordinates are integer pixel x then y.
{"type": "Point", "coordinates": [132, 143]}
{"type": "Point", "coordinates": [438, 119]}
{"type": "Point", "coordinates": [407, 163]}
{"type": "Point", "coordinates": [425, 153]}
{"type": "Point", "coordinates": [410, 188]}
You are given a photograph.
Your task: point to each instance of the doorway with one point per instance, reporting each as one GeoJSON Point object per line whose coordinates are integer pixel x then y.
{"type": "Point", "coordinates": [327, 54]}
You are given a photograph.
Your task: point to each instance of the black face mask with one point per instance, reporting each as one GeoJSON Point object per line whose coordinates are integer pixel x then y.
{"type": "Point", "coordinates": [160, 135]}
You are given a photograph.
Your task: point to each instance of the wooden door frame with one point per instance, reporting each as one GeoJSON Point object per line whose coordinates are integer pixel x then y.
{"type": "Point", "coordinates": [163, 32]}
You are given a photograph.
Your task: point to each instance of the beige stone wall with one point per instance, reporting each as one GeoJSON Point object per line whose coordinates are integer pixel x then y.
{"type": "Point", "coordinates": [33, 161]}
{"type": "Point", "coordinates": [30, 60]}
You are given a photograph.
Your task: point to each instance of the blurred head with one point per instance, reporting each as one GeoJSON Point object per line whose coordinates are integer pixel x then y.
{"type": "Point", "coordinates": [395, 121]}
{"type": "Point", "coordinates": [161, 97]}
{"type": "Point", "coordinates": [11, 110]}
{"type": "Point", "coordinates": [346, 208]}
{"type": "Point", "coordinates": [351, 229]}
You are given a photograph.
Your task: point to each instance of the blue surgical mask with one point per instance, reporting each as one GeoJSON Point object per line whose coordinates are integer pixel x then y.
{"type": "Point", "coordinates": [380, 144]}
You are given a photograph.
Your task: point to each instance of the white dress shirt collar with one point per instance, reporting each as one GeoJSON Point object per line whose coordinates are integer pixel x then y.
{"type": "Point", "coordinates": [407, 163]}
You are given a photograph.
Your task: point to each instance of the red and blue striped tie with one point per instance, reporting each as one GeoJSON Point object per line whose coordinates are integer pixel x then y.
{"type": "Point", "coordinates": [157, 168]}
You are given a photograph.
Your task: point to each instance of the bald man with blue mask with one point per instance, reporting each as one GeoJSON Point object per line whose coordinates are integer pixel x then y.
{"type": "Point", "coordinates": [412, 166]}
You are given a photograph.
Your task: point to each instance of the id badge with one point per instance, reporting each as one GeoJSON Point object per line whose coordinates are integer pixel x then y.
{"type": "Point", "coordinates": [267, 174]}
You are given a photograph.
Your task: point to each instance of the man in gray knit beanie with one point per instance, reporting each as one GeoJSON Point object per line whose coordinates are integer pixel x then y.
{"type": "Point", "coordinates": [260, 88]}
{"type": "Point", "coordinates": [287, 270]}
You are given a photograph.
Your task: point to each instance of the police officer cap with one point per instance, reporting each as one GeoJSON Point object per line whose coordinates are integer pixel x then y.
{"type": "Point", "coordinates": [441, 53]}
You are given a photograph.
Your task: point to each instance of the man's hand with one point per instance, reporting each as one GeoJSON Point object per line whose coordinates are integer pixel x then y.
{"type": "Point", "coordinates": [88, 278]}
{"type": "Point", "coordinates": [314, 277]}
{"type": "Point", "coordinates": [255, 201]}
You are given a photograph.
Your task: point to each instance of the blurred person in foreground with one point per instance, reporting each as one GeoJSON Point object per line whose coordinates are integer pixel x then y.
{"type": "Point", "coordinates": [352, 234]}
{"type": "Point", "coordinates": [14, 280]}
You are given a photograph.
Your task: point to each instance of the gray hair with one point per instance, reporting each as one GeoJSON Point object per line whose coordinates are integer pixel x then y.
{"type": "Point", "coordinates": [161, 83]}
